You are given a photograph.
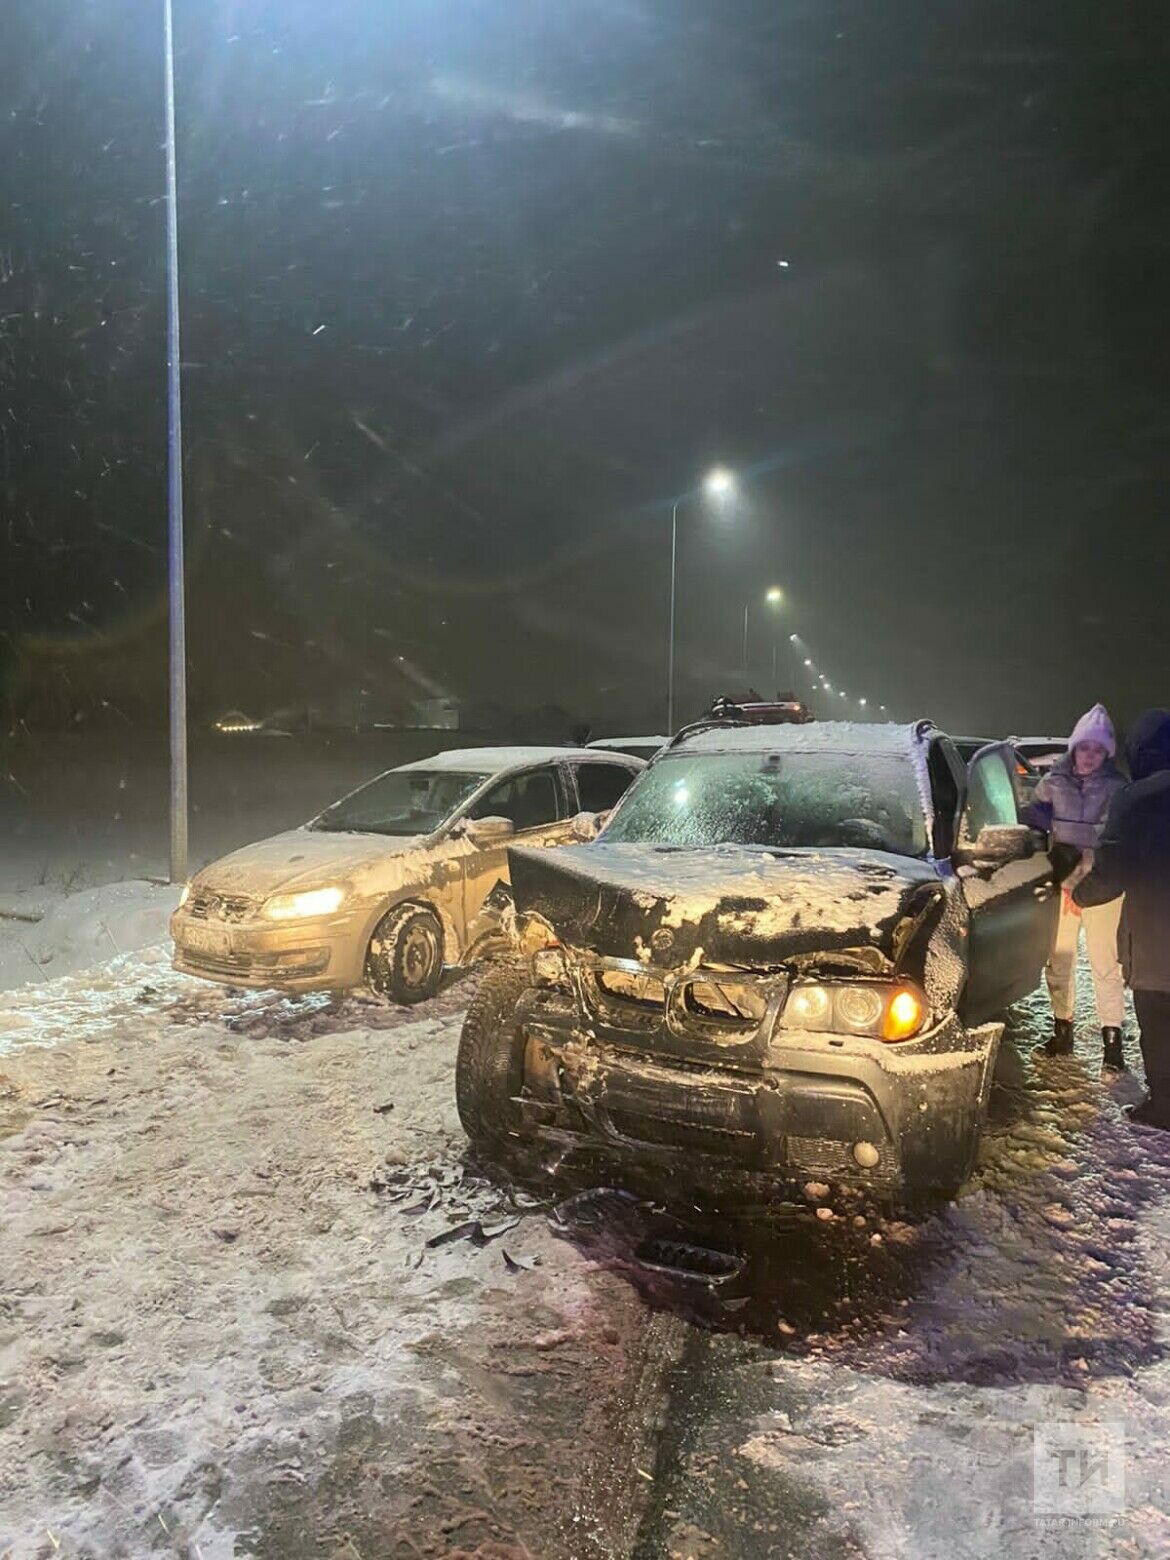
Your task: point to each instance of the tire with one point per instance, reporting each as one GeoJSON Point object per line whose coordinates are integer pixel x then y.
{"type": "Point", "coordinates": [489, 1069]}
{"type": "Point", "coordinates": [405, 958]}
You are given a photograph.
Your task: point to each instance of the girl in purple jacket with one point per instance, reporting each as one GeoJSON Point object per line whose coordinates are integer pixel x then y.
{"type": "Point", "coordinates": [1071, 802]}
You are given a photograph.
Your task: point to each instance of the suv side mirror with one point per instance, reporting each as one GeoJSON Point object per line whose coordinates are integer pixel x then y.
{"type": "Point", "coordinates": [997, 845]}
{"type": "Point", "coordinates": [487, 831]}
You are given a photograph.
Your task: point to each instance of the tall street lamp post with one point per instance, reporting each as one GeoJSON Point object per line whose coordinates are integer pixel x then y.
{"type": "Point", "coordinates": [774, 597]}
{"type": "Point", "coordinates": [175, 594]}
{"type": "Point", "coordinates": [718, 484]}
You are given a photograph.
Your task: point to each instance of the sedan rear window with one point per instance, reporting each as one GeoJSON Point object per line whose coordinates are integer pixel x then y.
{"type": "Point", "coordinates": [830, 800]}
{"type": "Point", "coordinates": [404, 801]}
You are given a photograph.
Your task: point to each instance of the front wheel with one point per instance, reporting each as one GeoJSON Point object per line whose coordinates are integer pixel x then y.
{"type": "Point", "coordinates": [489, 1069]}
{"type": "Point", "coordinates": [405, 958]}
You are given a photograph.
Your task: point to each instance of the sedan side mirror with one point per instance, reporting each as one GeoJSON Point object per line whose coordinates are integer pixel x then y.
{"type": "Point", "coordinates": [585, 826]}
{"type": "Point", "coordinates": [487, 831]}
{"type": "Point", "coordinates": [996, 845]}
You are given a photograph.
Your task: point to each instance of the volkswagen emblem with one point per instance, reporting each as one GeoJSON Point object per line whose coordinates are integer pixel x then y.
{"type": "Point", "coordinates": [662, 942]}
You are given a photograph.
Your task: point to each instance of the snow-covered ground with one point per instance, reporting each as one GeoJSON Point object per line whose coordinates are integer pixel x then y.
{"type": "Point", "coordinates": [46, 934]}
{"type": "Point", "coordinates": [222, 1330]}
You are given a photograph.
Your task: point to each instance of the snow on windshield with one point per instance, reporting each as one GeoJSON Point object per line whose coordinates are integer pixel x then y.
{"type": "Point", "coordinates": [404, 801]}
{"type": "Point", "coordinates": [865, 801]}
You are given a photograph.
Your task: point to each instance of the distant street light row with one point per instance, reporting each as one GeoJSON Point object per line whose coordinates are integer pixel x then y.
{"type": "Point", "coordinates": [720, 487]}
{"type": "Point", "coordinates": [820, 680]}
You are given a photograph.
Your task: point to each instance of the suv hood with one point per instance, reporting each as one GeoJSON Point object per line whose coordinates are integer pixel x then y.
{"type": "Point", "coordinates": [732, 905]}
{"type": "Point", "coordinates": [302, 858]}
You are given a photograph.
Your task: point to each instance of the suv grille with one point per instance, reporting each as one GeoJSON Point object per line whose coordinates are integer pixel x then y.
{"type": "Point", "coordinates": [205, 906]}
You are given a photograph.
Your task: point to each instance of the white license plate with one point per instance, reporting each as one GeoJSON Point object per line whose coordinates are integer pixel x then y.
{"type": "Point", "coordinates": [206, 939]}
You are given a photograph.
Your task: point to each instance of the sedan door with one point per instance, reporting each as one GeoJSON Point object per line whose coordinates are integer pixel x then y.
{"type": "Point", "coordinates": [533, 801]}
{"type": "Point", "coordinates": [1013, 906]}
{"type": "Point", "coordinates": [602, 783]}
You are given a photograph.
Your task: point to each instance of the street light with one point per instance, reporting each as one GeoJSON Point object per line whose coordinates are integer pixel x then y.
{"type": "Point", "coordinates": [177, 618]}
{"type": "Point", "coordinates": [719, 484]}
{"type": "Point", "coordinates": [774, 596]}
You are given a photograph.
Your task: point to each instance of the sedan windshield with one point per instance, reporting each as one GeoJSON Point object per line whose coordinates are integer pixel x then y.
{"type": "Point", "coordinates": [831, 800]}
{"type": "Point", "coordinates": [404, 801]}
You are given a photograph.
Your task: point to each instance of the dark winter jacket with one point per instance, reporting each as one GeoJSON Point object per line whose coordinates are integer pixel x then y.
{"type": "Point", "coordinates": [1072, 807]}
{"type": "Point", "coordinates": [1133, 857]}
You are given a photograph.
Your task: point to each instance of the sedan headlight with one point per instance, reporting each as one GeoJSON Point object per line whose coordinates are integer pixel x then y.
{"type": "Point", "coordinates": [312, 901]}
{"type": "Point", "coordinates": [882, 1010]}
{"type": "Point", "coordinates": [184, 894]}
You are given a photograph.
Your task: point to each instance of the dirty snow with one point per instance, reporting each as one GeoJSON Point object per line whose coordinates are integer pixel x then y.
{"type": "Point", "coordinates": [78, 931]}
{"type": "Point", "coordinates": [222, 1330]}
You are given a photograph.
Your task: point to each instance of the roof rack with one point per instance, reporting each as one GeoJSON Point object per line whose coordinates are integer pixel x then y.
{"type": "Point", "coordinates": [727, 712]}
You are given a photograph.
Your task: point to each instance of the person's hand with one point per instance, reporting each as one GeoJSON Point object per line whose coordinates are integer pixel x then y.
{"type": "Point", "coordinates": [1065, 860]}
{"type": "Point", "coordinates": [1070, 905]}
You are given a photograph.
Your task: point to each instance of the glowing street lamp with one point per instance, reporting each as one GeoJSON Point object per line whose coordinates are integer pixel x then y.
{"type": "Point", "coordinates": [719, 484]}
{"type": "Point", "coordinates": [774, 596]}
{"type": "Point", "coordinates": [720, 487]}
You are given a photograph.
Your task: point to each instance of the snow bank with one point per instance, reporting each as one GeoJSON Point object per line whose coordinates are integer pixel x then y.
{"type": "Point", "coordinates": [82, 930]}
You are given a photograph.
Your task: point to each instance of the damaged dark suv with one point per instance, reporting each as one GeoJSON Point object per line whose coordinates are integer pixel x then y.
{"type": "Point", "coordinates": [787, 955]}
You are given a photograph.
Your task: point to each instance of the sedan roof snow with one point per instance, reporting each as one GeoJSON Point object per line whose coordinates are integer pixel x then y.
{"type": "Point", "coordinates": [494, 760]}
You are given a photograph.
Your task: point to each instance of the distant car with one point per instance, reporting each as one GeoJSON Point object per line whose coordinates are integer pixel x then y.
{"type": "Point", "coordinates": [633, 747]}
{"type": "Point", "coordinates": [762, 712]}
{"type": "Point", "coordinates": [784, 957]}
{"type": "Point", "coordinates": [1042, 752]}
{"type": "Point", "coordinates": [384, 887]}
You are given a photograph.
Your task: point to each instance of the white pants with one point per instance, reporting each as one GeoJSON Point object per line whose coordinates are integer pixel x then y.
{"type": "Point", "coordinates": [1100, 924]}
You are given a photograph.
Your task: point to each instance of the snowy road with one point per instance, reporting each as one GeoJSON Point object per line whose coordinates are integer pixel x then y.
{"type": "Point", "coordinates": [222, 1330]}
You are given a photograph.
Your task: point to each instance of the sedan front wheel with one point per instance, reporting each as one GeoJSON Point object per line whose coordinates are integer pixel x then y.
{"type": "Point", "coordinates": [405, 958]}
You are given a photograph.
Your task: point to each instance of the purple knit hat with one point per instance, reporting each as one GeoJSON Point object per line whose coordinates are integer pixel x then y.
{"type": "Point", "coordinates": [1095, 726]}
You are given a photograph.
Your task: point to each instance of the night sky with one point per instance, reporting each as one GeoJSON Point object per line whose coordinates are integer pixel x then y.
{"type": "Point", "coordinates": [472, 291]}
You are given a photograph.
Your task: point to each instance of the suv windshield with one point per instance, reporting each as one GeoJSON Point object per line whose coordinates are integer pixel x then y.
{"type": "Point", "coordinates": [860, 800]}
{"type": "Point", "coordinates": [404, 801]}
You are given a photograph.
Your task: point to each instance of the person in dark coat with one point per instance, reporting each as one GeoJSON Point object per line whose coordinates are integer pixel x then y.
{"type": "Point", "coordinates": [1133, 858]}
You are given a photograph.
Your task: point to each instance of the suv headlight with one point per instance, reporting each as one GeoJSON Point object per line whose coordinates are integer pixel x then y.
{"type": "Point", "coordinates": [312, 901]}
{"type": "Point", "coordinates": [881, 1009]}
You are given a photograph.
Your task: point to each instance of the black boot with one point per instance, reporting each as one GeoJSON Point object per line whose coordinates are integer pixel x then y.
{"type": "Point", "coordinates": [1061, 1043]}
{"type": "Point", "coordinates": [1113, 1059]}
{"type": "Point", "coordinates": [1148, 1114]}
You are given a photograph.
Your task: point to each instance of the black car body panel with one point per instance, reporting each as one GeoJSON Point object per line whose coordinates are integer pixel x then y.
{"type": "Point", "coordinates": [740, 906]}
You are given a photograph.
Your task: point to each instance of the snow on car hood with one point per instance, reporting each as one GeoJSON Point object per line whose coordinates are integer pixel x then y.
{"type": "Point", "coordinates": [304, 858]}
{"type": "Point", "coordinates": [730, 904]}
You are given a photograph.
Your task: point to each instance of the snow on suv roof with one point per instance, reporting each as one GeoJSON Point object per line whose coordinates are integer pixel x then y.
{"type": "Point", "coordinates": [489, 760]}
{"type": "Point", "coordinates": [826, 736]}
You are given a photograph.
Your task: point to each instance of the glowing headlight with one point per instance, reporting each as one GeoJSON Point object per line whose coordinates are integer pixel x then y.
{"type": "Point", "coordinates": [314, 901]}
{"type": "Point", "coordinates": [859, 1007]}
{"type": "Point", "coordinates": [883, 1011]}
{"type": "Point", "coordinates": [808, 1008]}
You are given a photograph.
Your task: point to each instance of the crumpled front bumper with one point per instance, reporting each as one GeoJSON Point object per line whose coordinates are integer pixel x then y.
{"type": "Point", "coordinates": [855, 1112]}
